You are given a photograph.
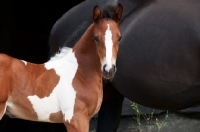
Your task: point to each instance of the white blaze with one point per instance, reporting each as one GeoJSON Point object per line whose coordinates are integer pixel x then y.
{"type": "Point", "coordinates": [109, 49]}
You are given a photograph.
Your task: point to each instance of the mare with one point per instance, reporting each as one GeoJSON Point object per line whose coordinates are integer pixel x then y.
{"type": "Point", "coordinates": [67, 88]}
{"type": "Point", "coordinates": [158, 59]}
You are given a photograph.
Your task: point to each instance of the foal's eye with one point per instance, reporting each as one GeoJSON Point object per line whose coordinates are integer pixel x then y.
{"type": "Point", "coordinates": [96, 38]}
{"type": "Point", "coordinates": [119, 38]}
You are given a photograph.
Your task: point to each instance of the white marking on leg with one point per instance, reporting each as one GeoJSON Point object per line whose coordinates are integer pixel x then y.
{"type": "Point", "coordinates": [63, 96]}
{"type": "Point", "coordinates": [3, 112]}
{"type": "Point", "coordinates": [13, 111]}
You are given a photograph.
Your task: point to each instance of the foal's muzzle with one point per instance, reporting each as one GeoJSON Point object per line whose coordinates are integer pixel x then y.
{"type": "Point", "coordinates": [109, 73]}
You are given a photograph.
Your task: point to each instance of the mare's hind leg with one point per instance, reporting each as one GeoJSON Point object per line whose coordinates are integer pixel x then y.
{"type": "Point", "coordinates": [79, 123]}
{"type": "Point", "coordinates": [2, 109]}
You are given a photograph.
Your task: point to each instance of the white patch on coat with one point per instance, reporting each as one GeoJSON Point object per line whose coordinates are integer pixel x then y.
{"type": "Point", "coordinates": [62, 53]}
{"type": "Point", "coordinates": [108, 60]}
{"type": "Point", "coordinates": [63, 96]}
{"type": "Point", "coordinates": [24, 62]}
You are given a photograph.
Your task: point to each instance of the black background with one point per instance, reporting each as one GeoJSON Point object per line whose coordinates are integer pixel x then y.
{"type": "Point", "coordinates": [25, 26]}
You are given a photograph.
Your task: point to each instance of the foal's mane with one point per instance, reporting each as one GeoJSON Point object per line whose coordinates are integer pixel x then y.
{"type": "Point", "coordinates": [107, 11]}
{"type": "Point", "coordinates": [62, 53]}
{"type": "Point", "coordinates": [71, 41]}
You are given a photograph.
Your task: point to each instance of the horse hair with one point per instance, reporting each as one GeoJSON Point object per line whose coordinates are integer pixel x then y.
{"type": "Point", "coordinates": [75, 36]}
{"type": "Point", "coordinates": [107, 11]}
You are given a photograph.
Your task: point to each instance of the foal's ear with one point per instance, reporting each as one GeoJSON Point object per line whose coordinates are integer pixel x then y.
{"type": "Point", "coordinates": [97, 15]}
{"type": "Point", "coordinates": [117, 13]}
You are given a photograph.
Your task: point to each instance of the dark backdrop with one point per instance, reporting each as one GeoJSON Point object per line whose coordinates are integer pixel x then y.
{"type": "Point", "coordinates": [25, 26]}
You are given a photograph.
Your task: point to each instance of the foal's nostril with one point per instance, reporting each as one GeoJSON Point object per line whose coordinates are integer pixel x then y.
{"type": "Point", "coordinates": [114, 68]}
{"type": "Point", "coordinates": [104, 68]}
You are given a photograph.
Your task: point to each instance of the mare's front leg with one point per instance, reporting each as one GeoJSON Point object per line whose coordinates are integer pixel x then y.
{"type": "Point", "coordinates": [110, 111]}
{"type": "Point", "coordinates": [79, 123]}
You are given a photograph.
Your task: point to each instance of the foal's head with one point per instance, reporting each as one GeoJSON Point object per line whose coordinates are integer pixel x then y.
{"type": "Point", "coordinates": [107, 36]}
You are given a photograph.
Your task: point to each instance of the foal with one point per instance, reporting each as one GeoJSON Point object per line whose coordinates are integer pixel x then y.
{"type": "Point", "coordinates": [68, 88]}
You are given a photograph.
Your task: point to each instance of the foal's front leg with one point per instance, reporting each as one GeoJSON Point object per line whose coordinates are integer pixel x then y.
{"type": "Point", "coordinates": [79, 123]}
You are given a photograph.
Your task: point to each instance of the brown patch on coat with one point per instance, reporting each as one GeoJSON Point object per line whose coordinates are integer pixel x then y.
{"type": "Point", "coordinates": [56, 117]}
{"type": "Point", "coordinates": [43, 80]}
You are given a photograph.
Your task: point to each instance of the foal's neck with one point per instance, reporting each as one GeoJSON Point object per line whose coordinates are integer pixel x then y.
{"type": "Point", "coordinates": [86, 51]}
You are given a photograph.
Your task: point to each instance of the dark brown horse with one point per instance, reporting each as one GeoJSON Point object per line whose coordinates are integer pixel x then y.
{"type": "Point", "coordinates": [68, 88]}
{"type": "Point", "coordinates": [159, 56]}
